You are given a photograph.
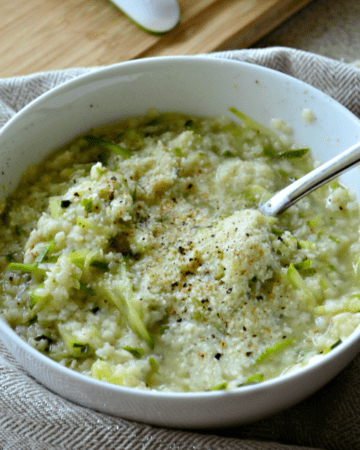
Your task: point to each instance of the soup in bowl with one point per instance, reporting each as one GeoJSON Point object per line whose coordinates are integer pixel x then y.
{"type": "Point", "coordinates": [139, 277]}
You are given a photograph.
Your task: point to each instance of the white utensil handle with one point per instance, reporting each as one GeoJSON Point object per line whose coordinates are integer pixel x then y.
{"type": "Point", "coordinates": [156, 16]}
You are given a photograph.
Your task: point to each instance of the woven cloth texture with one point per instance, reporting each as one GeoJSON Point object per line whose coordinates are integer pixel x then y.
{"type": "Point", "coordinates": [33, 418]}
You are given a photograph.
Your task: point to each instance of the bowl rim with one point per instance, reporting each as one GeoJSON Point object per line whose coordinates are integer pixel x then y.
{"type": "Point", "coordinates": [97, 73]}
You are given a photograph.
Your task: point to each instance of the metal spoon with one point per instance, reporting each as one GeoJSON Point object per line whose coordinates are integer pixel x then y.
{"type": "Point", "coordinates": [311, 181]}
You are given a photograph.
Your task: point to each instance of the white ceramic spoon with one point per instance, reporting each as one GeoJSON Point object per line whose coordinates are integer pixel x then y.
{"type": "Point", "coordinates": [314, 179]}
{"type": "Point", "coordinates": [154, 16]}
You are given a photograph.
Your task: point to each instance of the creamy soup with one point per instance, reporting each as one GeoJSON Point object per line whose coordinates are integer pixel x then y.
{"type": "Point", "coordinates": [136, 255]}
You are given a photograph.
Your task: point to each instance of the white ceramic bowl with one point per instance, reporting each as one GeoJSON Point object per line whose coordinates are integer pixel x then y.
{"type": "Point", "coordinates": [196, 85]}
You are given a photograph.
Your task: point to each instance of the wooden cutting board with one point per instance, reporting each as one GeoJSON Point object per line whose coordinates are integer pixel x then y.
{"type": "Point", "coordinates": [42, 35]}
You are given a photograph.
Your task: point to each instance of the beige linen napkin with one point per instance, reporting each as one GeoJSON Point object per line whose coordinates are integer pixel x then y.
{"type": "Point", "coordinates": [33, 418]}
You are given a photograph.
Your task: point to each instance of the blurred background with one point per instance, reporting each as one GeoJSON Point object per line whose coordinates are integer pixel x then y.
{"type": "Point", "coordinates": [39, 35]}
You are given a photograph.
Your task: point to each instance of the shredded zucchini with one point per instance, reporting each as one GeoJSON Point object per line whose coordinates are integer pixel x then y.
{"type": "Point", "coordinates": [257, 378]}
{"type": "Point", "coordinates": [27, 268]}
{"type": "Point", "coordinates": [220, 387]}
{"type": "Point", "coordinates": [78, 257]}
{"type": "Point", "coordinates": [75, 348]}
{"type": "Point", "coordinates": [109, 145]}
{"type": "Point", "coordinates": [335, 344]}
{"type": "Point", "coordinates": [87, 289]}
{"type": "Point", "coordinates": [46, 249]}
{"type": "Point", "coordinates": [153, 369]}
{"type": "Point", "coordinates": [136, 352]}
{"type": "Point", "coordinates": [269, 352]}
{"type": "Point", "coordinates": [268, 150]}
{"type": "Point", "coordinates": [352, 305]}
{"type": "Point", "coordinates": [55, 207]}
{"type": "Point", "coordinates": [120, 293]}
{"type": "Point", "coordinates": [303, 265]}
{"type": "Point", "coordinates": [87, 203]}
{"type": "Point", "coordinates": [38, 300]}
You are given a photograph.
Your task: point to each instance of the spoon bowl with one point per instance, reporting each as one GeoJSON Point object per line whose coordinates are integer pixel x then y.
{"type": "Point", "coordinates": [311, 181]}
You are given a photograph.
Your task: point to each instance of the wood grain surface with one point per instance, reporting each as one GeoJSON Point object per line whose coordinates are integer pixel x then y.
{"type": "Point", "coordinates": [38, 35]}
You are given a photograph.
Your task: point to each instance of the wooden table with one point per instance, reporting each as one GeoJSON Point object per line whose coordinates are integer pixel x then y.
{"type": "Point", "coordinates": [38, 35]}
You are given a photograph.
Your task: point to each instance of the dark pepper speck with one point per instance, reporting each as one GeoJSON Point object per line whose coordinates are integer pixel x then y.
{"type": "Point", "coordinates": [65, 203]}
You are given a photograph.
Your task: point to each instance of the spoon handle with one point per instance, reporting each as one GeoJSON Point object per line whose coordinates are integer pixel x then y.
{"type": "Point", "coordinates": [311, 181]}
